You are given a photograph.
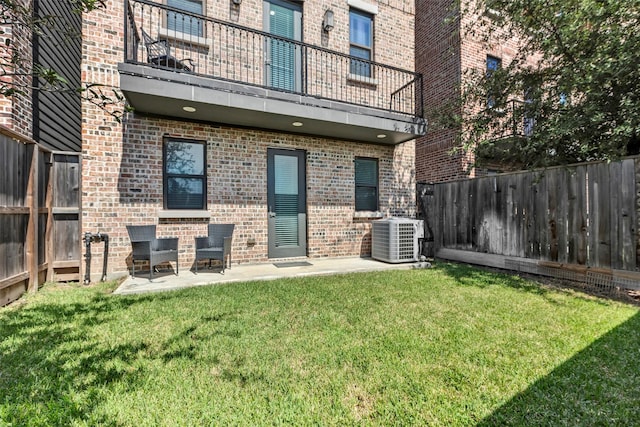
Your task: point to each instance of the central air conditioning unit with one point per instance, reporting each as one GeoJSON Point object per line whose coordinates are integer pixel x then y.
{"type": "Point", "coordinates": [396, 239]}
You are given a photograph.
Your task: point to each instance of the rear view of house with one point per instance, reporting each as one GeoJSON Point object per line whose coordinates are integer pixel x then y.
{"type": "Point", "coordinates": [293, 120]}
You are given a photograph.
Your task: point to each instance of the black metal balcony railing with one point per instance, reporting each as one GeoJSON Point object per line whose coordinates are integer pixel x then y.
{"type": "Point", "coordinates": [515, 120]}
{"type": "Point", "coordinates": [211, 48]}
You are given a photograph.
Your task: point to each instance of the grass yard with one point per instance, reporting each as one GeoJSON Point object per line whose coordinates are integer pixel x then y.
{"type": "Point", "coordinates": [448, 346]}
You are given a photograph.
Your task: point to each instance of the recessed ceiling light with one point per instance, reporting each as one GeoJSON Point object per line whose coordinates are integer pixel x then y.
{"type": "Point", "coordinates": [382, 135]}
{"type": "Point", "coordinates": [297, 124]}
{"type": "Point", "coordinates": [189, 109]}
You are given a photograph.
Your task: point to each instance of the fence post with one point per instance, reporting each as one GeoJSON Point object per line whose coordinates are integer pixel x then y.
{"type": "Point", "coordinates": [48, 237]}
{"type": "Point", "coordinates": [32, 226]}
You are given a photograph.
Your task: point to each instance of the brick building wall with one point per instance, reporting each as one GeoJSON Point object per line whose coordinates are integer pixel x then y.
{"type": "Point", "coordinates": [15, 111]}
{"type": "Point", "coordinates": [445, 49]}
{"type": "Point", "coordinates": [122, 162]}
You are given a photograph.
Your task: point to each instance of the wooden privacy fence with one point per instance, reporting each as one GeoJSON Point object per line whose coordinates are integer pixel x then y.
{"type": "Point", "coordinates": [580, 215]}
{"type": "Point", "coordinates": [39, 215]}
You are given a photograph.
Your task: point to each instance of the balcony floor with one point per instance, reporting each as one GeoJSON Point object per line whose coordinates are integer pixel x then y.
{"type": "Point", "coordinates": [165, 92]}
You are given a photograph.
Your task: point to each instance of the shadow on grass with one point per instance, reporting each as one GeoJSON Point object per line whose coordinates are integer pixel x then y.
{"type": "Point", "coordinates": [598, 386]}
{"type": "Point", "coordinates": [53, 369]}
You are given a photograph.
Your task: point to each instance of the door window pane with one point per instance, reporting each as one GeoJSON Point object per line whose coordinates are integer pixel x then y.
{"type": "Point", "coordinates": [493, 65]}
{"type": "Point", "coordinates": [283, 19]}
{"type": "Point", "coordinates": [286, 200]}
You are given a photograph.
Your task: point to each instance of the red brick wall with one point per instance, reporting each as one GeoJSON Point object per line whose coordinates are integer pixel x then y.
{"type": "Point", "coordinates": [15, 111]}
{"type": "Point", "coordinates": [122, 185]}
{"type": "Point", "coordinates": [438, 50]}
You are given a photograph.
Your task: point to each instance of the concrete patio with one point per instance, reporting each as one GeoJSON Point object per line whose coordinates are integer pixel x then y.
{"type": "Point", "coordinates": [167, 281]}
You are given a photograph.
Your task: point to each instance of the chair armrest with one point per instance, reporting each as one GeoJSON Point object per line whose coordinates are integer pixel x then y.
{"type": "Point", "coordinates": [141, 248]}
{"type": "Point", "coordinates": [227, 244]}
{"type": "Point", "coordinates": [192, 64]}
{"type": "Point", "coordinates": [202, 242]}
{"type": "Point", "coordinates": [166, 243]}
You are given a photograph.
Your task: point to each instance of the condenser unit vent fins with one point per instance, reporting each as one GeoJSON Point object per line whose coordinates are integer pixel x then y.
{"type": "Point", "coordinates": [396, 239]}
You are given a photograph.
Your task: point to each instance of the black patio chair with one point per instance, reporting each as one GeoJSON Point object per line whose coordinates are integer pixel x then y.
{"type": "Point", "coordinates": [159, 53]}
{"type": "Point", "coordinates": [217, 245]}
{"type": "Point", "coordinates": [146, 247]}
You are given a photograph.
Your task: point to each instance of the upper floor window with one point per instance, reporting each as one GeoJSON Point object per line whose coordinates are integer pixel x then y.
{"type": "Point", "coordinates": [366, 178]}
{"type": "Point", "coordinates": [184, 174]}
{"type": "Point", "coordinates": [183, 23]}
{"type": "Point", "coordinates": [360, 42]}
{"type": "Point", "coordinates": [493, 65]}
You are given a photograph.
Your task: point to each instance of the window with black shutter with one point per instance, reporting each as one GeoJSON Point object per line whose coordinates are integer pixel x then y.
{"type": "Point", "coordinates": [366, 178]}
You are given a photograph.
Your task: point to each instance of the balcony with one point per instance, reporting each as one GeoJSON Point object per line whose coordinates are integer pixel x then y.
{"type": "Point", "coordinates": [189, 66]}
{"type": "Point", "coordinates": [513, 125]}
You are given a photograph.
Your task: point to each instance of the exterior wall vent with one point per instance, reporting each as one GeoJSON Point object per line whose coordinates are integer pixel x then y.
{"type": "Point", "coordinates": [395, 240]}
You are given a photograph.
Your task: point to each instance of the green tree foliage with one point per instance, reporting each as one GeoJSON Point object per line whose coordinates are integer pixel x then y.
{"type": "Point", "coordinates": [18, 74]}
{"type": "Point", "coordinates": [580, 102]}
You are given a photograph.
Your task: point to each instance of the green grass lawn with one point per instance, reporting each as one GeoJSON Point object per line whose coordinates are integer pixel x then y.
{"type": "Point", "coordinates": [447, 346]}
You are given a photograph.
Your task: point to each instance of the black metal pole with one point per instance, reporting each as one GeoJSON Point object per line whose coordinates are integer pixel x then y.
{"type": "Point", "coordinates": [87, 258]}
{"type": "Point", "coordinates": [105, 239]}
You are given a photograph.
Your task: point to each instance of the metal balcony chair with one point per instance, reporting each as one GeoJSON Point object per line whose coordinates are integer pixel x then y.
{"type": "Point", "coordinates": [146, 247]}
{"type": "Point", "coordinates": [159, 53]}
{"type": "Point", "coordinates": [217, 245]}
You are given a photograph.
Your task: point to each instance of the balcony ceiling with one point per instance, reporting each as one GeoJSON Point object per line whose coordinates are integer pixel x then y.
{"type": "Point", "coordinates": [166, 93]}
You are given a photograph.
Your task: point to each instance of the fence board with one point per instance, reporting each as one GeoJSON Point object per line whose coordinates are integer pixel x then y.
{"type": "Point", "coordinates": [506, 216]}
{"type": "Point", "coordinates": [462, 217]}
{"type": "Point", "coordinates": [614, 180]}
{"type": "Point", "coordinates": [576, 217]}
{"type": "Point", "coordinates": [449, 217]}
{"type": "Point", "coordinates": [539, 212]}
{"type": "Point", "coordinates": [484, 211]}
{"type": "Point", "coordinates": [628, 221]}
{"type": "Point", "coordinates": [525, 189]}
{"type": "Point", "coordinates": [499, 216]}
{"type": "Point", "coordinates": [562, 214]}
{"type": "Point", "coordinates": [66, 194]}
{"type": "Point", "coordinates": [552, 216]}
{"type": "Point", "coordinates": [599, 208]}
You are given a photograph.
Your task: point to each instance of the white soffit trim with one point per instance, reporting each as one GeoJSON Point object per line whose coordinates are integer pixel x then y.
{"type": "Point", "coordinates": [364, 6]}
